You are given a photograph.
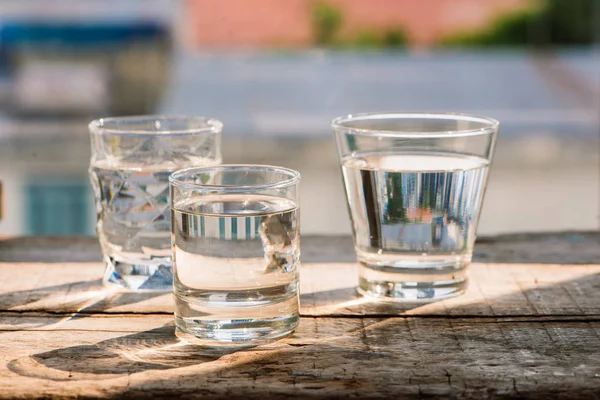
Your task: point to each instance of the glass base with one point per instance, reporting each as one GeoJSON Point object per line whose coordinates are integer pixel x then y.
{"type": "Point", "coordinates": [157, 276]}
{"type": "Point", "coordinates": [235, 316]}
{"type": "Point", "coordinates": [413, 282]}
{"type": "Point", "coordinates": [242, 332]}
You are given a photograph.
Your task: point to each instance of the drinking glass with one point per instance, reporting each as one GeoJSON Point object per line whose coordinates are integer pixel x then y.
{"type": "Point", "coordinates": [415, 184]}
{"type": "Point", "coordinates": [132, 158]}
{"type": "Point", "coordinates": [236, 251]}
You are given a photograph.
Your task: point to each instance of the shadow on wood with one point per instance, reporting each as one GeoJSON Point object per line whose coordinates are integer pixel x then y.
{"type": "Point", "coordinates": [346, 301]}
{"type": "Point", "coordinates": [11, 300]}
{"type": "Point", "coordinates": [454, 357]}
{"type": "Point", "coordinates": [75, 297]}
{"type": "Point", "coordinates": [341, 357]}
{"type": "Point", "coordinates": [156, 349]}
{"type": "Point", "coordinates": [402, 357]}
{"type": "Point", "coordinates": [494, 290]}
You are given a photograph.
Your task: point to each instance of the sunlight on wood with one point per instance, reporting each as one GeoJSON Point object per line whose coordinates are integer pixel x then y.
{"type": "Point", "coordinates": [494, 289]}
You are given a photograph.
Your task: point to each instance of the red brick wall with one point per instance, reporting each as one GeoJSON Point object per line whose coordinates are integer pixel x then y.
{"type": "Point", "coordinates": [287, 23]}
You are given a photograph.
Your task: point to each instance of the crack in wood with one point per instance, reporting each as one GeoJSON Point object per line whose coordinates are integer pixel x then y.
{"type": "Point", "coordinates": [507, 318]}
{"type": "Point", "coordinates": [487, 345]}
{"type": "Point", "coordinates": [514, 385]}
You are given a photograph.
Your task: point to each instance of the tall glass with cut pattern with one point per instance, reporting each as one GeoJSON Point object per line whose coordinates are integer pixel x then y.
{"type": "Point", "coordinates": [236, 249]}
{"type": "Point", "coordinates": [132, 159]}
{"type": "Point", "coordinates": [415, 184]}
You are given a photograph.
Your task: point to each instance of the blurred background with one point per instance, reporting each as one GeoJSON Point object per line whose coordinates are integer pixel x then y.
{"type": "Point", "coordinates": [276, 72]}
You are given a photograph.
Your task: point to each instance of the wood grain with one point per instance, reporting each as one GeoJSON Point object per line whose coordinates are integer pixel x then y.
{"type": "Point", "coordinates": [327, 289]}
{"type": "Point", "coordinates": [529, 248]}
{"type": "Point", "coordinates": [525, 329]}
{"type": "Point", "coordinates": [129, 356]}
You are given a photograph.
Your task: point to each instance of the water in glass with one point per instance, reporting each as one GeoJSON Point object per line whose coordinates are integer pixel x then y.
{"type": "Point", "coordinates": [134, 225]}
{"type": "Point", "coordinates": [414, 217]}
{"type": "Point", "coordinates": [132, 159]}
{"type": "Point", "coordinates": [236, 267]}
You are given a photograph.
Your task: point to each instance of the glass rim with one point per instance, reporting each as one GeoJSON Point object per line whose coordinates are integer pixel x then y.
{"type": "Point", "coordinates": [293, 177]}
{"type": "Point", "coordinates": [205, 125]}
{"type": "Point", "coordinates": [344, 122]}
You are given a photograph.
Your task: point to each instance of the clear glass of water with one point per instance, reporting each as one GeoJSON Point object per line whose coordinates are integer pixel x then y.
{"type": "Point", "coordinates": [132, 158]}
{"type": "Point", "coordinates": [415, 184]}
{"type": "Point", "coordinates": [236, 251]}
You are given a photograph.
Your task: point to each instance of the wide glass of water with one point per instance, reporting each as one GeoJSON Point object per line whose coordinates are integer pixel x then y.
{"type": "Point", "coordinates": [236, 249]}
{"type": "Point", "coordinates": [132, 158]}
{"type": "Point", "coordinates": [415, 184]}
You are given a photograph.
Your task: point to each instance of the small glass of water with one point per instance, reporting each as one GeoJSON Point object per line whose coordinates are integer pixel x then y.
{"type": "Point", "coordinates": [236, 251]}
{"type": "Point", "coordinates": [132, 158]}
{"type": "Point", "coordinates": [415, 184]}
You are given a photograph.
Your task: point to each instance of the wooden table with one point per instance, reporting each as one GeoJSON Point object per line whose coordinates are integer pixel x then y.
{"type": "Point", "coordinates": [528, 327]}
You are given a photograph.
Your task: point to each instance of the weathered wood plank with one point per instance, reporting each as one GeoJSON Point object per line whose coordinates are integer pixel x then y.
{"type": "Point", "coordinates": [529, 327]}
{"type": "Point", "coordinates": [495, 290]}
{"type": "Point", "coordinates": [528, 248]}
{"type": "Point", "coordinates": [132, 356]}
{"type": "Point", "coordinates": [327, 289]}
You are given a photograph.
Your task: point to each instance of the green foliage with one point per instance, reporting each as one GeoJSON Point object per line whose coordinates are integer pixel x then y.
{"type": "Point", "coordinates": [509, 30]}
{"type": "Point", "coordinates": [572, 21]}
{"type": "Point", "coordinates": [327, 20]}
{"type": "Point", "coordinates": [395, 38]}
{"type": "Point", "coordinates": [557, 22]}
{"type": "Point", "coordinates": [367, 39]}
{"type": "Point", "coordinates": [375, 40]}
{"type": "Point", "coordinates": [395, 212]}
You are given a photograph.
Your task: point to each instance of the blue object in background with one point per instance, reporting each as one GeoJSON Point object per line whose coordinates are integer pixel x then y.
{"type": "Point", "coordinates": [57, 208]}
{"type": "Point", "coordinates": [132, 57]}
